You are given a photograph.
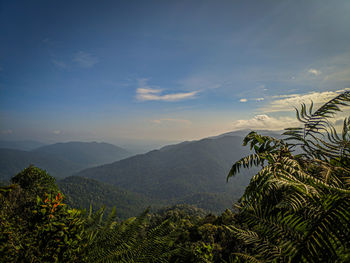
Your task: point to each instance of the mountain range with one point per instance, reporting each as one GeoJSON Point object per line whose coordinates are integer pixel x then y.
{"type": "Point", "coordinates": [191, 172]}
{"type": "Point", "coordinates": [25, 145]}
{"type": "Point", "coordinates": [59, 159]}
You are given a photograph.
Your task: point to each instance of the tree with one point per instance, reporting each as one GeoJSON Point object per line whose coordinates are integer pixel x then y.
{"type": "Point", "coordinates": [297, 208]}
{"type": "Point", "coordinates": [35, 181]}
{"type": "Point", "coordinates": [35, 224]}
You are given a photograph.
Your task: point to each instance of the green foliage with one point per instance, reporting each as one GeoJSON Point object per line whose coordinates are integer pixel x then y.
{"type": "Point", "coordinates": [297, 208]}
{"type": "Point", "coordinates": [82, 192]}
{"type": "Point", "coordinates": [48, 231]}
{"type": "Point", "coordinates": [203, 238]}
{"type": "Point", "coordinates": [56, 232]}
{"type": "Point", "coordinates": [36, 226]}
{"type": "Point", "coordinates": [132, 240]}
{"type": "Point", "coordinates": [35, 181]}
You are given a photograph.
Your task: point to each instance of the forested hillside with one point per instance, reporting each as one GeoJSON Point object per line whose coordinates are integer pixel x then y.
{"type": "Point", "coordinates": [190, 172]}
{"type": "Point", "coordinates": [82, 193]}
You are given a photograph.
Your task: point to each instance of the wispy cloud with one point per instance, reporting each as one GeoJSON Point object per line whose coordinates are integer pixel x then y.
{"type": "Point", "coordinates": [80, 59]}
{"type": "Point", "coordinates": [148, 93]}
{"type": "Point", "coordinates": [59, 64]}
{"type": "Point", "coordinates": [57, 132]}
{"type": "Point", "coordinates": [314, 72]}
{"type": "Point", "coordinates": [288, 102]}
{"type": "Point", "coordinates": [259, 99]}
{"type": "Point", "coordinates": [85, 60]}
{"type": "Point", "coordinates": [264, 121]}
{"type": "Point", "coordinates": [243, 100]}
{"type": "Point", "coordinates": [171, 120]}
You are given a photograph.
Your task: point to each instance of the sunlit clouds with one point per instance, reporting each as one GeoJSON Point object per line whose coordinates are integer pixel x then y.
{"type": "Point", "coordinates": [314, 72]}
{"type": "Point", "coordinates": [264, 121]}
{"type": "Point", "coordinates": [148, 93]}
{"type": "Point", "coordinates": [288, 102]}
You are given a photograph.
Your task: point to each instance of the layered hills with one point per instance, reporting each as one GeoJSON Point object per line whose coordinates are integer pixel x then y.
{"type": "Point", "coordinates": [26, 145]}
{"type": "Point", "coordinates": [190, 172]}
{"type": "Point", "coordinates": [60, 159]}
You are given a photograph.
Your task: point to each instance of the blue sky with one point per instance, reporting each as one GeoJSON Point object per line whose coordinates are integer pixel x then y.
{"type": "Point", "coordinates": [165, 70]}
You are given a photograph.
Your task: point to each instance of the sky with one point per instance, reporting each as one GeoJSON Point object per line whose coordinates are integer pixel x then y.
{"type": "Point", "coordinates": [166, 71]}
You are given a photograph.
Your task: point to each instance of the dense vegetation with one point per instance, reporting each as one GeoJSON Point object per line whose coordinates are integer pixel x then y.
{"type": "Point", "coordinates": [82, 193]}
{"type": "Point", "coordinates": [295, 209]}
{"type": "Point", "coordinates": [191, 172]}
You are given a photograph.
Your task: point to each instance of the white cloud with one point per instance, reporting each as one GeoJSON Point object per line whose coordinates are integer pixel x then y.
{"type": "Point", "coordinates": [148, 91]}
{"type": "Point", "coordinates": [288, 102]}
{"type": "Point", "coordinates": [314, 72]}
{"type": "Point", "coordinates": [171, 120]}
{"type": "Point", "coordinates": [57, 132]}
{"type": "Point", "coordinates": [145, 93]}
{"type": "Point", "coordinates": [151, 94]}
{"type": "Point", "coordinates": [259, 99]}
{"type": "Point", "coordinates": [85, 60]}
{"type": "Point", "coordinates": [243, 100]}
{"type": "Point", "coordinates": [264, 121]}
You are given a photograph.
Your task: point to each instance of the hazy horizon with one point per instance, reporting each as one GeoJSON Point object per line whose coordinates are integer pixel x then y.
{"type": "Point", "coordinates": [166, 71]}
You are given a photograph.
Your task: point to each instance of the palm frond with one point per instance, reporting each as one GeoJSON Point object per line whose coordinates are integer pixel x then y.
{"type": "Point", "coordinates": [297, 208]}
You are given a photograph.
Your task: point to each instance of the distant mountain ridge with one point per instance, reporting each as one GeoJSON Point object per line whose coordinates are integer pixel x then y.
{"type": "Point", "coordinates": [183, 172]}
{"type": "Point", "coordinates": [60, 159]}
{"type": "Point", "coordinates": [13, 161]}
{"type": "Point", "coordinates": [191, 172]}
{"type": "Point", "coordinates": [26, 145]}
{"type": "Point", "coordinates": [86, 153]}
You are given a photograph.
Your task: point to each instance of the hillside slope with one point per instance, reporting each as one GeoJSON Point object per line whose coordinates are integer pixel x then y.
{"type": "Point", "coordinates": [21, 145]}
{"type": "Point", "coordinates": [82, 192]}
{"type": "Point", "coordinates": [14, 161]}
{"type": "Point", "coordinates": [86, 153]}
{"type": "Point", "coordinates": [186, 172]}
{"type": "Point", "coordinates": [60, 159]}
